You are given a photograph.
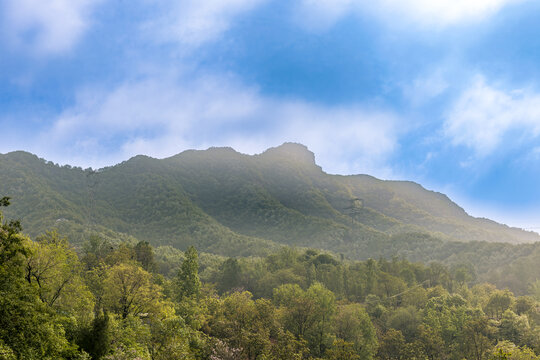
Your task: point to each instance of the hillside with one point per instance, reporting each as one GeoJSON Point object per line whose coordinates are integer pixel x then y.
{"type": "Point", "coordinates": [234, 204]}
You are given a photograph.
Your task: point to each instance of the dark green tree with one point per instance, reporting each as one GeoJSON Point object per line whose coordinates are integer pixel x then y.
{"type": "Point", "coordinates": [145, 255]}
{"type": "Point", "coordinates": [230, 275]}
{"type": "Point", "coordinates": [95, 340]}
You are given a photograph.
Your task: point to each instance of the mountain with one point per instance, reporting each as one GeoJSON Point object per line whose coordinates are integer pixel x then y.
{"type": "Point", "coordinates": [229, 203]}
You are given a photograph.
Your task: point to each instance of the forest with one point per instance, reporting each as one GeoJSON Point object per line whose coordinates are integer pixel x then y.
{"type": "Point", "coordinates": [126, 299]}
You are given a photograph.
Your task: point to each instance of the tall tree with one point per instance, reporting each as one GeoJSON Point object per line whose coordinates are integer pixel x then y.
{"type": "Point", "coordinates": [188, 281]}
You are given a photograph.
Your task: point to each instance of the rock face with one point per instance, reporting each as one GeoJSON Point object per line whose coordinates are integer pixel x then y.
{"type": "Point", "coordinates": [231, 203]}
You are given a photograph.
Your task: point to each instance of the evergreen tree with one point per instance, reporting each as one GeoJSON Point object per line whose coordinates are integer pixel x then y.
{"type": "Point", "coordinates": [188, 276]}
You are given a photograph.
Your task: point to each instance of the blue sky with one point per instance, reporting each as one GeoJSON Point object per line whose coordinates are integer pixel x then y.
{"type": "Point", "coordinates": [442, 92]}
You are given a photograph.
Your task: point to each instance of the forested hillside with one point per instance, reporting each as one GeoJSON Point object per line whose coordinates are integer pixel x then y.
{"type": "Point", "coordinates": [129, 300]}
{"type": "Point", "coordinates": [231, 204]}
{"type": "Point", "coordinates": [221, 201]}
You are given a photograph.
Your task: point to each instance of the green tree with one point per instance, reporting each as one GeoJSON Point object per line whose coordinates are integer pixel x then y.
{"type": "Point", "coordinates": [246, 324]}
{"type": "Point", "coordinates": [321, 334]}
{"type": "Point", "coordinates": [95, 250]}
{"type": "Point", "coordinates": [55, 270]}
{"type": "Point", "coordinates": [95, 339]}
{"type": "Point", "coordinates": [230, 275]}
{"type": "Point", "coordinates": [287, 347]}
{"type": "Point", "coordinates": [476, 337]}
{"type": "Point", "coordinates": [524, 304]}
{"type": "Point", "coordinates": [498, 302]}
{"type": "Point", "coordinates": [144, 254]}
{"type": "Point", "coordinates": [296, 309]}
{"type": "Point", "coordinates": [128, 289]}
{"type": "Point", "coordinates": [506, 350]}
{"type": "Point", "coordinates": [430, 342]}
{"type": "Point", "coordinates": [342, 350]}
{"type": "Point", "coordinates": [534, 289]}
{"type": "Point", "coordinates": [515, 328]}
{"type": "Point", "coordinates": [308, 314]}
{"type": "Point", "coordinates": [29, 328]}
{"type": "Point", "coordinates": [188, 276]}
{"type": "Point", "coordinates": [170, 340]}
{"type": "Point", "coordinates": [444, 317]}
{"type": "Point", "coordinates": [392, 346]}
{"type": "Point", "coordinates": [13, 247]}
{"type": "Point", "coordinates": [406, 320]}
{"type": "Point", "coordinates": [353, 325]}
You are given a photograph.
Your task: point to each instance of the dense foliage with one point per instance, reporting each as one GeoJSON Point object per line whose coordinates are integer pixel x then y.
{"type": "Point", "coordinates": [127, 300]}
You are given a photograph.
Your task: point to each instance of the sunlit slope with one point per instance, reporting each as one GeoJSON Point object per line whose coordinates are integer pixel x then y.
{"type": "Point", "coordinates": [229, 203]}
{"type": "Point", "coordinates": [259, 193]}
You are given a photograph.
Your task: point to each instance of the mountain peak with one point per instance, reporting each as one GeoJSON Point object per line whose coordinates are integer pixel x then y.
{"type": "Point", "coordinates": [293, 152]}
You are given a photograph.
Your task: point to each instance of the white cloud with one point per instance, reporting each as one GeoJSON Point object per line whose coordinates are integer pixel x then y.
{"type": "Point", "coordinates": [483, 115]}
{"type": "Point", "coordinates": [45, 27]}
{"type": "Point", "coordinates": [160, 118]}
{"type": "Point", "coordinates": [194, 22]}
{"type": "Point", "coordinates": [426, 87]}
{"type": "Point", "coordinates": [418, 13]}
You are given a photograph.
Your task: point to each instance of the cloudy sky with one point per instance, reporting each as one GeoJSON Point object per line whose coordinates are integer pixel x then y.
{"type": "Point", "coordinates": [442, 92]}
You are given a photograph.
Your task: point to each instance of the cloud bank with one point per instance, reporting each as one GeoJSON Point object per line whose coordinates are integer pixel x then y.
{"type": "Point", "coordinates": [161, 117]}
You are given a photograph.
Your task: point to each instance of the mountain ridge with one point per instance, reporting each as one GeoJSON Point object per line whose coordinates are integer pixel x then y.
{"type": "Point", "coordinates": [201, 197]}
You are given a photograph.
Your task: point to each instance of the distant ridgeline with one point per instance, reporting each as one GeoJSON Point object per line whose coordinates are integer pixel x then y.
{"type": "Point", "coordinates": [232, 204]}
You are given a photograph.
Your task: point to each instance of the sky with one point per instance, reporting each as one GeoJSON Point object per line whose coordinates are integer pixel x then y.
{"type": "Point", "coordinates": [442, 92]}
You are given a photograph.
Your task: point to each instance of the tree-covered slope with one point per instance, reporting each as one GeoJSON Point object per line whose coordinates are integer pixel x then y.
{"type": "Point", "coordinates": [229, 203]}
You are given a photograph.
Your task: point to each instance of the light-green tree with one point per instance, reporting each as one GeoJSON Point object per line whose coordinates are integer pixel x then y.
{"type": "Point", "coordinates": [353, 325]}
{"type": "Point", "coordinates": [342, 350]}
{"type": "Point", "coordinates": [129, 290]}
{"type": "Point", "coordinates": [506, 350]}
{"type": "Point", "coordinates": [55, 270]}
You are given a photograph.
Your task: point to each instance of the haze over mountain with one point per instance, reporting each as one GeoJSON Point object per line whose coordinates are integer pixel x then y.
{"type": "Point", "coordinates": [229, 203]}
